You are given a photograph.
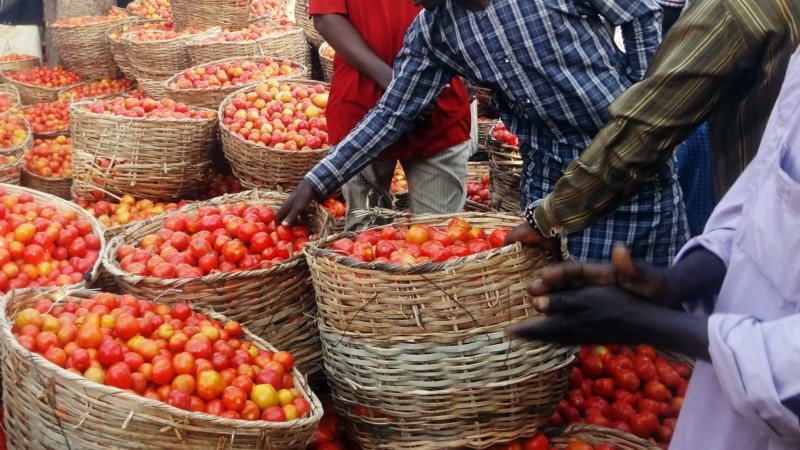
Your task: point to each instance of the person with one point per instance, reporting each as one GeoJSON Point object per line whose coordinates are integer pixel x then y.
{"type": "Point", "coordinates": [740, 291]}
{"type": "Point", "coordinates": [553, 69]}
{"type": "Point", "coordinates": [723, 62]}
{"type": "Point", "coordinates": [433, 154]}
{"type": "Point", "coordinates": [19, 27]}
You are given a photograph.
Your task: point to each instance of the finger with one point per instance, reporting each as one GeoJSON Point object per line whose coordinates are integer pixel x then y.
{"type": "Point", "coordinates": [556, 329]}
{"type": "Point", "coordinates": [571, 276]}
{"type": "Point", "coordinates": [621, 258]}
{"type": "Point", "coordinates": [285, 211]}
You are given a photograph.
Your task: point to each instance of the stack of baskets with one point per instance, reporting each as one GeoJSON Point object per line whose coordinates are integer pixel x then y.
{"type": "Point", "coordinates": [326, 60]}
{"type": "Point", "coordinates": [118, 48]}
{"type": "Point", "coordinates": [12, 158]}
{"type": "Point", "coordinates": [276, 303]}
{"type": "Point", "coordinates": [47, 406]}
{"type": "Point", "coordinates": [162, 159]}
{"type": "Point", "coordinates": [202, 14]}
{"type": "Point", "coordinates": [417, 355]}
{"type": "Point", "coordinates": [12, 95]}
{"type": "Point", "coordinates": [280, 42]}
{"type": "Point", "coordinates": [506, 174]}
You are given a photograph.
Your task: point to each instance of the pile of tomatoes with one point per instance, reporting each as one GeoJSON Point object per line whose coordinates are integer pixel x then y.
{"type": "Point", "coordinates": [172, 354]}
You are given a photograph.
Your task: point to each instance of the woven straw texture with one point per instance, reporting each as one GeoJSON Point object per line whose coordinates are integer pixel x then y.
{"type": "Point", "coordinates": [485, 127]}
{"type": "Point", "coordinates": [475, 173]}
{"type": "Point", "coordinates": [13, 96]}
{"type": "Point", "coordinates": [12, 173]}
{"type": "Point", "coordinates": [161, 159]}
{"type": "Point", "coordinates": [595, 435]}
{"type": "Point", "coordinates": [84, 48]}
{"type": "Point", "coordinates": [259, 166]}
{"type": "Point", "coordinates": [119, 49]}
{"type": "Point", "coordinates": [202, 14]}
{"type": "Point", "coordinates": [66, 9]}
{"type": "Point", "coordinates": [212, 97]}
{"type": "Point", "coordinates": [47, 407]}
{"type": "Point", "coordinates": [276, 303]}
{"type": "Point", "coordinates": [30, 94]}
{"type": "Point", "coordinates": [502, 156]}
{"type": "Point", "coordinates": [60, 187]}
{"type": "Point", "coordinates": [504, 189]}
{"type": "Point", "coordinates": [161, 58]}
{"type": "Point", "coordinates": [304, 22]}
{"type": "Point", "coordinates": [326, 62]}
{"type": "Point", "coordinates": [396, 337]}
{"type": "Point", "coordinates": [10, 66]}
{"type": "Point", "coordinates": [283, 42]}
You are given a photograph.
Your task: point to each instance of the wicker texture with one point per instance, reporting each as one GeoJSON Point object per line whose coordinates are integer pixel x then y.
{"type": "Point", "coordinates": [397, 337]}
{"type": "Point", "coordinates": [283, 42]}
{"type": "Point", "coordinates": [212, 97]}
{"type": "Point", "coordinates": [67, 9]}
{"type": "Point", "coordinates": [259, 166]}
{"type": "Point", "coordinates": [595, 435]}
{"type": "Point", "coordinates": [485, 127]}
{"type": "Point", "coordinates": [304, 21]}
{"type": "Point", "coordinates": [161, 58]}
{"type": "Point", "coordinates": [276, 303]}
{"type": "Point", "coordinates": [119, 49]}
{"type": "Point", "coordinates": [11, 173]}
{"type": "Point", "coordinates": [84, 48]}
{"type": "Point", "coordinates": [504, 189]}
{"type": "Point", "coordinates": [161, 159]}
{"type": "Point", "coordinates": [24, 64]}
{"type": "Point", "coordinates": [13, 95]}
{"type": "Point", "coordinates": [60, 187]}
{"type": "Point", "coordinates": [475, 173]}
{"type": "Point", "coordinates": [30, 94]}
{"type": "Point", "coordinates": [202, 14]}
{"type": "Point", "coordinates": [326, 62]}
{"type": "Point", "coordinates": [47, 407]}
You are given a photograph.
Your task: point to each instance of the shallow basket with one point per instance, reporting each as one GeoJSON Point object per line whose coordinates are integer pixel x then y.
{"type": "Point", "coordinates": [396, 337]}
{"type": "Point", "coordinates": [202, 14]}
{"type": "Point", "coordinates": [49, 407]}
{"type": "Point", "coordinates": [326, 62]}
{"type": "Point", "coordinates": [161, 58]}
{"type": "Point", "coordinates": [13, 95]}
{"type": "Point", "coordinates": [212, 97]}
{"type": "Point", "coordinates": [24, 64]}
{"type": "Point", "coordinates": [276, 303]}
{"type": "Point", "coordinates": [156, 158]}
{"type": "Point", "coordinates": [304, 21]}
{"type": "Point", "coordinates": [60, 187]}
{"type": "Point", "coordinates": [284, 42]}
{"type": "Point", "coordinates": [30, 94]}
{"type": "Point", "coordinates": [119, 49]}
{"type": "Point", "coordinates": [262, 167]}
{"type": "Point", "coordinates": [595, 435]}
{"type": "Point", "coordinates": [84, 48]}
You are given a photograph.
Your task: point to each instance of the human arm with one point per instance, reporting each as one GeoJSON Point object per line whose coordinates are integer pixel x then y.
{"type": "Point", "coordinates": [705, 53]}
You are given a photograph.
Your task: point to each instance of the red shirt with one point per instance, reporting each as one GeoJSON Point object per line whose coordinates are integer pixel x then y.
{"type": "Point", "coordinates": [382, 24]}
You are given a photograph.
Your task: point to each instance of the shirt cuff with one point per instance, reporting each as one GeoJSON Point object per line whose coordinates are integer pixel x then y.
{"type": "Point", "coordinates": [542, 216]}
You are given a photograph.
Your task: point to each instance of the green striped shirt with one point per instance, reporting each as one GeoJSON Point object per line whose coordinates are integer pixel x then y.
{"type": "Point", "coordinates": [722, 62]}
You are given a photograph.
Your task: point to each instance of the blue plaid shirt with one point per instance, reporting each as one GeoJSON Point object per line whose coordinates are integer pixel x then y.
{"type": "Point", "coordinates": [552, 65]}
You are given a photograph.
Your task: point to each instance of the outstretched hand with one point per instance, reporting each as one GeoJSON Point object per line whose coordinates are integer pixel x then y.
{"type": "Point", "coordinates": [526, 234]}
{"type": "Point", "coordinates": [296, 203]}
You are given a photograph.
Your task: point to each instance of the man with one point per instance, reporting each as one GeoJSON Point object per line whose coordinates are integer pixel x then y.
{"type": "Point", "coordinates": [723, 62]}
{"type": "Point", "coordinates": [19, 27]}
{"type": "Point", "coordinates": [554, 69]}
{"type": "Point", "coordinates": [741, 282]}
{"type": "Point", "coordinates": [434, 154]}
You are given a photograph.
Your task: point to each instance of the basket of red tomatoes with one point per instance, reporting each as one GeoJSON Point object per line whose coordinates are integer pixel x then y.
{"type": "Point", "coordinates": [87, 369]}
{"type": "Point", "coordinates": [412, 317]}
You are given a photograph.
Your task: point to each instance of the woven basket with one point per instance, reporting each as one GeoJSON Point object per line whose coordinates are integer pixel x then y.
{"type": "Point", "coordinates": [502, 157]}
{"type": "Point", "coordinates": [84, 47]}
{"type": "Point", "coordinates": [276, 303]}
{"type": "Point", "coordinates": [284, 42]}
{"type": "Point", "coordinates": [504, 190]}
{"type": "Point", "coordinates": [202, 14]}
{"type": "Point", "coordinates": [60, 187]}
{"type": "Point", "coordinates": [485, 127]}
{"type": "Point", "coordinates": [47, 407]}
{"type": "Point", "coordinates": [119, 49]}
{"type": "Point", "coordinates": [259, 166]}
{"type": "Point", "coordinates": [66, 9]}
{"type": "Point", "coordinates": [326, 62]}
{"type": "Point", "coordinates": [212, 97]}
{"type": "Point", "coordinates": [24, 64]}
{"type": "Point", "coordinates": [30, 94]}
{"type": "Point", "coordinates": [475, 173]}
{"type": "Point", "coordinates": [11, 173]}
{"type": "Point", "coordinates": [595, 435]}
{"type": "Point", "coordinates": [68, 94]}
{"type": "Point", "coordinates": [396, 337]}
{"type": "Point", "coordinates": [161, 159]}
{"type": "Point", "coordinates": [161, 58]}
{"type": "Point", "coordinates": [304, 21]}
{"type": "Point", "coordinates": [13, 95]}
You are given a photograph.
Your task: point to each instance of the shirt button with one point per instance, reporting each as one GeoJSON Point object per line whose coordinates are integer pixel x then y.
{"type": "Point", "coordinates": [507, 61]}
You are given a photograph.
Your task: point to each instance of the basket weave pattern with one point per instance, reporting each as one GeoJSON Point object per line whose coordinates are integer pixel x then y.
{"type": "Point", "coordinates": [60, 187]}
{"type": "Point", "coordinates": [283, 42]}
{"type": "Point", "coordinates": [84, 48]}
{"type": "Point", "coordinates": [24, 64]}
{"type": "Point", "coordinates": [202, 14]}
{"type": "Point", "coordinates": [304, 22]}
{"type": "Point", "coordinates": [396, 337]}
{"type": "Point", "coordinates": [119, 49]}
{"type": "Point", "coordinates": [49, 407]}
{"type": "Point", "coordinates": [30, 94]}
{"type": "Point", "coordinates": [595, 435]}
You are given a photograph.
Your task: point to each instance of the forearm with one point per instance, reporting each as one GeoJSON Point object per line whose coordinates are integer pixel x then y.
{"type": "Point", "coordinates": [352, 48]}
{"type": "Point", "coordinates": [698, 274]}
{"type": "Point", "coordinates": [675, 330]}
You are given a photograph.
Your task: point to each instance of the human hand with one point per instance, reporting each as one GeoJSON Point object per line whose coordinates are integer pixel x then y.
{"type": "Point", "coordinates": [295, 204]}
{"type": "Point", "coordinates": [526, 234]}
{"type": "Point", "coordinates": [425, 115]}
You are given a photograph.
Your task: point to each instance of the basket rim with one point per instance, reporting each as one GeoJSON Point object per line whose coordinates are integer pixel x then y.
{"type": "Point", "coordinates": [56, 24]}
{"type": "Point", "coordinates": [213, 89]}
{"type": "Point", "coordinates": [32, 57]}
{"type": "Point", "coordinates": [142, 21]}
{"type": "Point", "coordinates": [77, 107]}
{"type": "Point", "coordinates": [126, 37]}
{"type": "Point", "coordinates": [278, 31]}
{"type": "Point", "coordinates": [323, 46]}
{"type": "Point", "coordinates": [14, 345]}
{"type": "Point", "coordinates": [16, 83]}
{"type": "Point", "coordinates": [28, 136]}
{"type": "Point", "coordinates": [579, 428]}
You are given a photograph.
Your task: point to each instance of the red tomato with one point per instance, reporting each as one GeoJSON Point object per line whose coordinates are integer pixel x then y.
{"type": "Point", "coordinates": [538, 442]}
{"type": "Point", "coordinates": [627, 379]}
{"type": "Point", "coordinates": [109, 352]}
{"type": "Point", "coordinates": [209, 385]}
{"type": "Point", "coordinates": [119, 375]}
{"type": "Point", "coordinates": [417, 234]}
{"type": "Point", "coordinates": [234, 398]}
{"type": "Point", "coordinates": [644, 424]}
{"type": "Point", "coordinates": [604, 387]}
{"type": "Point", "coordinates": [496, 237]}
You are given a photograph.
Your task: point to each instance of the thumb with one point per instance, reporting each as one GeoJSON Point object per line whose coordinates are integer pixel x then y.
{"type": "Point", "coordinates": [621, 259]}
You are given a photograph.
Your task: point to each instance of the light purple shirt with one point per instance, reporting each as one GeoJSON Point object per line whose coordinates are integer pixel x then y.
{"type": "Point", "coordinates": [754, 329]}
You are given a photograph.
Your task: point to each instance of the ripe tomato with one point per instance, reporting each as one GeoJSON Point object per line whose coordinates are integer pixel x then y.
{"type": "Point", "coordinates": [285, 358]}
{"type": "Point", "coordinates": [644, 424]}
{"type": "Point", "coordinates": [578, 445]}
{"type": "Point", "coordinates": [209, 385]}
{"type": "Point", "coordinates": [234, 398]}
{"type": "Point", "coordinates": [538, 442]}
{"type": "Point", "coordinates": [264, 395]}
{"type": "Point", "coordinates": [109, 352]}
{"type": "Point", "coordinates": [119, 375]}
{"type": "Point", "coordinates": [417, 234]}
{"type": "Point", "coordinates": [180, 399]}
{"type": "Point", "coordinates": [162, 372]}
{"type": "Point", "coordinates": [496, 237]}
{"type": "Point", "coordinates": [273, 414]}
{"type": "Point", "coordinates": [90, 335]}
{"type": "Point", "coordinates": [627, 379]}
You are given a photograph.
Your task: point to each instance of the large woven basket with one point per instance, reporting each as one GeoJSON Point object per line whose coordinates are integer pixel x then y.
{"type": "Point", "coordinates": [283, 42]}
{"type": "Point", "coordinates": [326, 62]}
{"type": "Point", "coordinates": [66, 9]}
{"type": "Point", "coordinates": [259, 166]}
{"type": "Point", "coordinates": [276, 303]}
{"type": "Point", "coordinates": [47, 407]}
{"type": "Point", "coordinates": [161, 58]}
{"type": "Point", "coordinates": [595, 435]}
{"type": "Point", "coordinates": [304, 21]}
{"type": "Point", "coordinates": [212, 97]}
{"type": "Point", "coordinates": [84, 48]}
{"type": "Point", "coordinates": [13, 96]}
{"type": "Point", "coordinates": [23, 64]}
{"type": "Point", "coordinates": [119, 49]}
{"type": "Point", "coordinates": [485, 127]}
{"type": "Point", "coordinates": [202, 14]}
{"type": "Point", "coordinates": [30, 94]}
{"type": "Point", "coordinates": [161, 159]}
{"type": "Point", "coordinates": [60, 187]}
{"type": "Point", "coordinates": [401, 341]}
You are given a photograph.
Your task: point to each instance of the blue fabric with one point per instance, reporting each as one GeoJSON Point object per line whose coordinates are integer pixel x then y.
{"type": "Point", "coordinates": [696, 177]}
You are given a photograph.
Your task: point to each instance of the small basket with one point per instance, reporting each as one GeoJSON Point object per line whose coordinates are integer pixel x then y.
{"type": "Point", "coordinates": [119, 49]}
{"type": "Point", "coordinates": [475, 173]}
{"type": "Point", "coordinates": [304, 21]}
{"type": "Point", "coordinates": [595, 435]}
{"type": "Point", "coordinates": [276, 303]}
{"type": "Point", "coordinates": [202, 14]}
{"type": "Point", "coordinates": [502, 157]}
{"type": "Point", "coordinates": [326, 62]}
{"type": "Point", "coordinates": [162, 159]}
{"type": "Point", "coordinates": [13, 96]}
{"type": "Point", "coordinates": [49, 407]}
{"type": "Point", "coordinates": [283, 42]}
{"type": "Point", "coordinates": [259, 166]}
{"type": "Point", "coordinates": [30, 94]}
{"type": "Point", "coordinates": [84, 48]}
{"type": "Point", "coordinates": [398, 336]}
{"type": "Point", "coordinates": [60, 187]}
{"type": "Point", "coordinates": [22, 64]}
{"type": "Point", "coordinates": [161, 58]}
{"type": "Point", "coordinates": [212, 97]}
{"type": "Point", "coordinates": [504, 190]}
{"type": "Point", "coordinates": [11, 172]}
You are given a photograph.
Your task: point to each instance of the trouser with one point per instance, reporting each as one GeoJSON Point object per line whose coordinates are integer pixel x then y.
{"type": "Point", "coordinates": [436, 185]}
{"type": "Point", "coordinates": [22, 39]}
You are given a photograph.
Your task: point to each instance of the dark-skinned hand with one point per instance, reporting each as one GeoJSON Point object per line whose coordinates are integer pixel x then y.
{"type": "Point", "coordinates": [526, 234]}
{"type": "Point", "coordinates": [296, 203]}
